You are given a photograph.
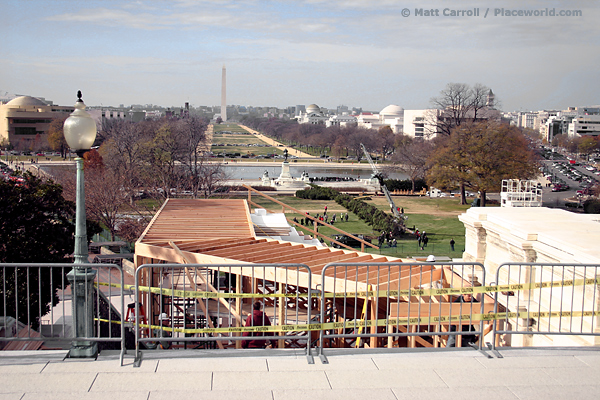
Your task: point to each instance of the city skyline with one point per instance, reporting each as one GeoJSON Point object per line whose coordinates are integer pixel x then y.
{"type": "Point", "coordinates": [354, 52]}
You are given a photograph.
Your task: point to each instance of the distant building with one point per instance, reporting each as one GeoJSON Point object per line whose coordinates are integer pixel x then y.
{"type": "Point", "coordinates": [392, 116]}
{"type": "Point", "coordinates": [529, 120]}
{"type": "Point", "coordinates": [300, 109]}
{"type": "Point", "coordinates": [341, 120]}
{"type": "Point", "coordinates": [575, 122]}
{"type": "Point", "coordinates": [313, 115]}
{"type": "Point", "coordinates": [584, 125]}
{"type": "Point", "coordinates": [25, 120]}
{"type": "Point", "coordinates": [415, 122]}
{"type": "Point", "coordinates": [341, 110]}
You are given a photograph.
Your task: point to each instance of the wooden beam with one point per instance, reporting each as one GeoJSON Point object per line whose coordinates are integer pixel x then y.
{"type": "Point", "coordinates": [207, 283]}
{"type": "Point", "coordinates": [310, 217]}
{"type": "Point", "coordinates": [413, 310]}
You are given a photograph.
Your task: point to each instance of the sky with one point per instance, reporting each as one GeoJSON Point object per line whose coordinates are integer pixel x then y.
{"type": "Point", "coordinates": [358, 53]}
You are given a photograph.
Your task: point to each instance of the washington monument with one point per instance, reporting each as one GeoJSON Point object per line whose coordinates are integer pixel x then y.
{"type": "Point", "coordinates": [223, 95]}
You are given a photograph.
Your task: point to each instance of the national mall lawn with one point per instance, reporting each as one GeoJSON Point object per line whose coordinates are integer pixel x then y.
{"type": "Point", "coordinates": [436, 216]}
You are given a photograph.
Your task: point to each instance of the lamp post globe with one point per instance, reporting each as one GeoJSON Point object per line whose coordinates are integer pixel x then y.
{"type": "Point", "coordinates": [80, 129]}
{"type": "Point", "coordinates": [80, 132]}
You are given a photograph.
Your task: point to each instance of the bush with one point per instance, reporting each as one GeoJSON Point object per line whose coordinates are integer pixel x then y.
{"type": "Point", "coordinates": [591, 206]}
{"type": "Point", "coordinates": [379, 220]}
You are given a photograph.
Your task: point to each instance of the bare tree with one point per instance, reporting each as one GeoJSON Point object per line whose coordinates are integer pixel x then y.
{"type": "Point", "coordinates": [124, 150]}
{"type": "Point", "coordinates": [192, 133]}
{"type": "Point", "coordinates": [163, 158]}
{"type": "Point", "coordinates": [411, 156]}
{"type": "Point", "coordinates": [211, 176]}
{"type": "Point", "coordinates": [356, 136]}
{"type": "Point", "coordinates": [457, 104]}
{"type": "Point", "coordinates": [385, 140]}
{"type": "Point", "coordinates": [104, 197]}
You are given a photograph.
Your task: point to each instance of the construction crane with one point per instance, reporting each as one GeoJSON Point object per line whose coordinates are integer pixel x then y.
{"type": "Point", "coordinates": [379, 176]}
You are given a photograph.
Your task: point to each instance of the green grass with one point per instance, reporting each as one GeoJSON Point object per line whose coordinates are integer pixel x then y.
{"type": "Point", "coordinates": [234, 143]}
{"type": "Point", "coordinates": [423, 213]}
{"type": "Point", "coordinates": [235, 128]}
{"type": "Point", "coordinates": [226, 138]}
{"type": "Point", "coordinates": [438, 217]}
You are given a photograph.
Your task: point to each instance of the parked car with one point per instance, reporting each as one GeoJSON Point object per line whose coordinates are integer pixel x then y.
{"type": "Point", "coordinates": [560, 188]}
{"type": "Point", "coordinates": [349, 241]}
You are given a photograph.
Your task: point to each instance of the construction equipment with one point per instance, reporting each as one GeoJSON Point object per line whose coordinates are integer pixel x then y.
{"type": "Point", "coordinates": [379, 176]}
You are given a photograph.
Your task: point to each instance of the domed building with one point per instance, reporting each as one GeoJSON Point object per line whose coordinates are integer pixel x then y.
{"type": "Point", "coordinates": [24, 101]}
{"type": "Point", "coordinates": [24, 122]}
{"type": "Point", "coordinates": [313, 108]}
{"type": "Point", "coordinates": [391, 115]}
{"type": "Point", "coordinates": [313, 115]}
{"type": "Point", "coordinates": [392, 111]}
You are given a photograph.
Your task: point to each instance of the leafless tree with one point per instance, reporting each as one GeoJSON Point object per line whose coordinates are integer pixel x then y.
{"type": "Point", "coordinates": [385, 140]}
{"type": "Point", "coordinates": [211, 176]}
{"type": "Point", "coordinates": [411, 156]}
{"type": "Point", "coordinates": [457, 104]}
{"type": "Point", "coordinates": [124, 152]}
{"type": "Point", "coordinates": [104, 195]}
{"type": "Point", "coordinates": [192, 133]}
{"type": "Point", "coordinates": [163, 158]}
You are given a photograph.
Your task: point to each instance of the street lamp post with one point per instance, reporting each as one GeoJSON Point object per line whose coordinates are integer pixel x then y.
{"type": "Point", "coordinates": [80, 133]}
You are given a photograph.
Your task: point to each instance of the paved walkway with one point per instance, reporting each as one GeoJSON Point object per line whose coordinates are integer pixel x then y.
{"type": "Point", "coordinates": [292, 151]}
{"type": "Point", "coordinates": [285, 374]}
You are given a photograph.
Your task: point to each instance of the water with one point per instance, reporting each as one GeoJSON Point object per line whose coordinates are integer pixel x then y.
{"type": "Point", "coordinates": [256, 171]}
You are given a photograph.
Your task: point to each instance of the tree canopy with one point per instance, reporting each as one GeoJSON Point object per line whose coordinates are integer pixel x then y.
{"type": "Point", "coordinates": [480, 155]}
{"type": "Point", "coordinates": [35, 227]}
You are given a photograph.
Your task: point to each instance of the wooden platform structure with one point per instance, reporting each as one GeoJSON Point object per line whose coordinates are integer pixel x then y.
{"type": "Point", "coordinates": [190, 231]}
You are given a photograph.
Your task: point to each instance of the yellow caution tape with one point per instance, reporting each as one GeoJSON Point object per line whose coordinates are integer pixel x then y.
{"type": "Point", "coordinates": [200, 294]}
{"type": "Point", "coordinates": [369, 293]}
{"type": "Point", "coordinates": [465, 290]}
{"type": "Point", "coordinates": [461, 319]}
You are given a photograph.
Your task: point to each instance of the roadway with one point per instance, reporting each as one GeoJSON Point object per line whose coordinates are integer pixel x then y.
{"type": "Point", "coordinates": [291, 150]}
{"type": "Point", "coordinates": [558, 199]}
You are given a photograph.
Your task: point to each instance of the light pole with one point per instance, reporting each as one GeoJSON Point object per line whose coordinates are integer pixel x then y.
{"type": "Point", "coordinates": [80, 133]}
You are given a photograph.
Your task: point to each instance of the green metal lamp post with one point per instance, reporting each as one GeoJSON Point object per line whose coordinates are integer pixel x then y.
{"type": "Point", "coordinates": [80, 133]}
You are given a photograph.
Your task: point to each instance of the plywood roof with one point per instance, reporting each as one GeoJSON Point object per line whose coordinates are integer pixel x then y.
{"type": "Point", "coordinates": [221, 231]}
{"type": "Point", "coordinates": [195, 219]}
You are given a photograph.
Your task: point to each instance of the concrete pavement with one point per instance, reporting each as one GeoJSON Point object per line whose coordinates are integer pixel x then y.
{"type": "Point", "coordinates": [285, 374]}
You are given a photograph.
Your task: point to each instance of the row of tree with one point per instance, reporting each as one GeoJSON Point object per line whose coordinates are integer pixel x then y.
{"type": "Point", "coordinates": [153, 158]}
{"type": "Point", "coordinates": [583, 145]}
{"type": "Point", "coordinates": [335, 141]}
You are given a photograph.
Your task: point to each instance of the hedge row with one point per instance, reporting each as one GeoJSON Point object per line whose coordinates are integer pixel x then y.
{"type": "Point", "coordinates": [379, 220]}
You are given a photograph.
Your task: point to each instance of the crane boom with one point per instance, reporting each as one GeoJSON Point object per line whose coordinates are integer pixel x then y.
{"type": "Point", "coordinates": [384, 189]}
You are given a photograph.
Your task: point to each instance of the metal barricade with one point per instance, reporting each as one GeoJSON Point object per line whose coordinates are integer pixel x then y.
{"type": "Point", "coordinates": [547, 304]}
{"type": "Point", "coordinates": [402, 305]}
{"type": "Point", "coordinates": [37, 305]}
{"type": "Point", "coordinates": [210, 306]}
